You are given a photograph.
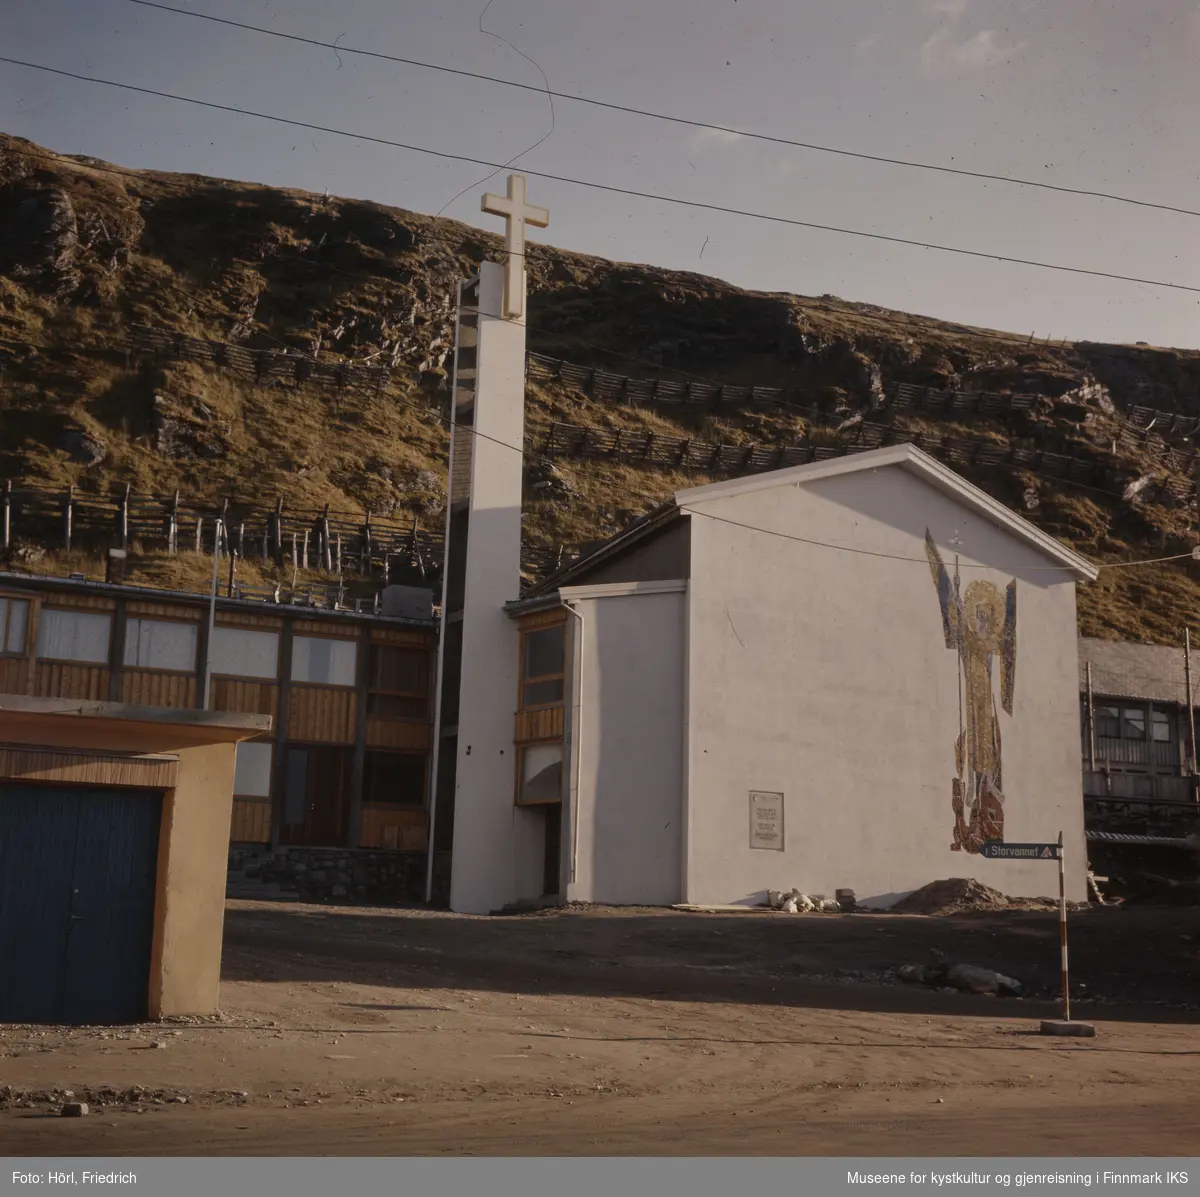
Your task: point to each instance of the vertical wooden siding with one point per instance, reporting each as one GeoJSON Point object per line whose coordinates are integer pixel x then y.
{"type": "Point", "coordinates": [394, 828]}
{"type": "Point", "coordinates": [14, 675]}
{"type": "Point", "coordinates": [322, 627]}
{"type": "Point", "coordinates": [393, 733]}
{"type": "Point", "coordinates": [321, 714]}
{"type": "Point", "coordinates": [404, 638]}
{"type": "Point", "coordinates": [251, 821]}
{"type": "Point", "coordinates": [53, 680]}
{"type": "Point", "coordinates": [154, 688]}
{"type": "Point", "coordinates": [244, 697]}
{"type": "Point", "coordinates": [545, 723]}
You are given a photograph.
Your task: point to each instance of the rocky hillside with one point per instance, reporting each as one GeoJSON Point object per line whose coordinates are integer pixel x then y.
{"type": "Point", "coordinates": [91, 252]}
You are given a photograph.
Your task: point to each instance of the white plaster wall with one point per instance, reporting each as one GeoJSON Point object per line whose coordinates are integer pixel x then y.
{"type": "Point", "coordinates": [824, 675]}
{"type": "Point", "coordinates": [631, 762]}
{"type": "Point", "coordinates": [486, 860]}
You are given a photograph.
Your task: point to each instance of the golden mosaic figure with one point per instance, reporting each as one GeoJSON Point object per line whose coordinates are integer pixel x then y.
{"type": "Point", "coordinates": [981, 624]}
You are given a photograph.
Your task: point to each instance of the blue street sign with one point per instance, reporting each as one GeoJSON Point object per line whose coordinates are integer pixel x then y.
{"type": "Point", "coordinates": [998, 850]}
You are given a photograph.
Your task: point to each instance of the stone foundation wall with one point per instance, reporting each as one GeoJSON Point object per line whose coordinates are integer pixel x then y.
{"type": "Point", "coordinates": [345, 875]}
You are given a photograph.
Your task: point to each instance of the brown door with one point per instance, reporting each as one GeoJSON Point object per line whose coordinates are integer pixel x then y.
{"type": "Point", "coordinates": [550, 877]}
{"type": "Point", "coordinates": [316, 796]}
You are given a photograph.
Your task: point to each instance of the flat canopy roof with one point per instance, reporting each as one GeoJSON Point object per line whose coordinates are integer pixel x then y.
{"type": "Point", "coordinates": [197, 727]}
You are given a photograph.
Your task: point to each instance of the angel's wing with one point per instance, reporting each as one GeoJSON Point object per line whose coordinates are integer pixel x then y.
{"type": "Point", "coordinates": [941, 579]}
{"type": "Point", "coordinates": [1008, 652]}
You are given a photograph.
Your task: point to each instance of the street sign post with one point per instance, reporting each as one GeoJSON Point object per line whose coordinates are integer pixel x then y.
{"type": "Point", "coordinates": [998, 850]}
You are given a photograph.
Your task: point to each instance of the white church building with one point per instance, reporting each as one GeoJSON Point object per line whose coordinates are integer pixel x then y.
{"type": "Point", "coordinates": [851, 674]}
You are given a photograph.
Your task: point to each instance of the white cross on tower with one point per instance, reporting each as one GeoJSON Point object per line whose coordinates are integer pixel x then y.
{"type": "Point", "coordinates": [517, 214]}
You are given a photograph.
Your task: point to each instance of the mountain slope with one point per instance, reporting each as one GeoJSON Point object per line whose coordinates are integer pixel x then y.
{"type": "Point", "coordinates": [89, 252]}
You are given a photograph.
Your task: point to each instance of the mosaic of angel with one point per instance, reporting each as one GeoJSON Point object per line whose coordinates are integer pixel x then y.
{"type": "Point", "coordinates": [980, 624]}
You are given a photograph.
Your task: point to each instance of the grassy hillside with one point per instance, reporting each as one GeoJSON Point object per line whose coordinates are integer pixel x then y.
{"type": "Point", "coordinates": [89, 250]}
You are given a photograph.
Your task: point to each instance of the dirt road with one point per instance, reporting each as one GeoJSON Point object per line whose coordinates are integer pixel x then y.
{"type": "Point", "coordinates": [600, 1032]}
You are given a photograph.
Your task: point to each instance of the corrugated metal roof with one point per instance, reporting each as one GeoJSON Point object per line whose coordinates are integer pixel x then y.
{"type": "Point", "coordinates": [1162, 841]}
{"type": "Point", "coordinates": [1151, 672]}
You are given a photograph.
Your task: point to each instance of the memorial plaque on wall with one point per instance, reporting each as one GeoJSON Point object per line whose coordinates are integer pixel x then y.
{"type": "Point", "coordinates": [766, 820]}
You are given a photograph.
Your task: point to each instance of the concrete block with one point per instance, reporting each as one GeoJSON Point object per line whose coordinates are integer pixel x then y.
{"type": "Point", "coordinates": [1075, 1030]}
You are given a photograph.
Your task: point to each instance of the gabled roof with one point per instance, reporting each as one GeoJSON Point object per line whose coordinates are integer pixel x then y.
{"type": "Point", "coordinates": [905, 456]}
{"type": "Point", "coordinates": [912, 459]}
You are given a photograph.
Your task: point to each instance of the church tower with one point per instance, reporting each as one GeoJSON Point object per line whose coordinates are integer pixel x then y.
{"type": "Point", "coordinates": [473, 813]}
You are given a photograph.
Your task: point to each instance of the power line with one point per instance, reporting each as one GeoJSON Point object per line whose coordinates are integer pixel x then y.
{"type": "Point", "coordinates": [526, 454]}
{"type": "Point", "coordinates": [922, 324]}
{"type": "Point", "coordinates": [624, 354]}
{"type": "Point", "coordinates": [424, 408]}
{"type": "Point", "coordinates": [924, 560]}
{"type": "Point", "coordinates": [819, 543]}
{"type": "Point", "coordinates": [610, 188]}
{"type": "Point", "coordinates": [677, 120]}
{"type": "Point", "coordinates": [825, 544]}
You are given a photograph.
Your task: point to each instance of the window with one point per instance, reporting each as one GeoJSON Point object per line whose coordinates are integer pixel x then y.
{"type": "Point", "coordinates": [238, 652]}
{"type": "Point", "coordinates": [160, 644]}
{"type": "Point", "coordinates": [73, 636]}
{"type": "Point", "coordinates": [394, 778]}
{"type": "Point", "coordinates": [541, 774]}
{"type": "Point", "coordinates": [14, 623]}
{"type": "Point", "coordinates": [543, 665]}
{"type": "Point", "coordinates": [252, 774]}
{"type": "Point", "coordinates": [1133, 723]}
{"type": "Point", "coordinates": [325, 662]}
{"type": "Point", "coordinates": [1130, 723]}
{"type": "Point", "coordinates": [399, 683]}
{"type": "Point", "coordinates": [1108, 722]}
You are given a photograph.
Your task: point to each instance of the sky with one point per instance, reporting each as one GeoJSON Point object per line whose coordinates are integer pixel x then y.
{"type": "Point", "coordinates": [1079, 93]}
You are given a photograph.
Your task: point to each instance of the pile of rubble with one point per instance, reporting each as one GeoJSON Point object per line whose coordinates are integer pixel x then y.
{"type": "Point", "coordinates": [952, 896]}
{"type": "Point", "coordinates": [795, 902]}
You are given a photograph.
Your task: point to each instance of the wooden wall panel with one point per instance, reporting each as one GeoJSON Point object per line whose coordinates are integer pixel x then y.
{"type": "Point", "coordinates": [245, 619]}
{"type": "Point", "coordinates": [163, 611]}
{"type": "Point", "coordinates": [321, 715]}
{"type": "Point", "coordinates": [403, 638]}
{"type": "Point", "coordinates": [78, 602]}
{"type": "Point", "coordinates": [394, 828]}
{"type": "Point", "coordinates": [392, 733]}
{"type": "Point", "coordinates": [325, 627]}
{"type": "Point", "coordinates": [70, 681]}
{"type": "Point", "coordinates": [546, 724]}
{"type": "Point", "coordinates": [245, 697]}
{"type": "Point", "coordinates": [542, 619]}
{"type": "Point", "coordinates": [67, 767]}
{"type": "Point", "coordinates": [251, 822]}
{"type": "Point", "coordinates": [153, 688]}
{"type": "Point", "coordinates": [14, 675]}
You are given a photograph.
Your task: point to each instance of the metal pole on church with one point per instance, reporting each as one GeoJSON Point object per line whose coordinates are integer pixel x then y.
{"type": "Point", "coordinates": [1191, 710]}
{"type": "Point", "coordinates": [1062, 927]}
{"type": "Point", "coordinates": [212, 613]}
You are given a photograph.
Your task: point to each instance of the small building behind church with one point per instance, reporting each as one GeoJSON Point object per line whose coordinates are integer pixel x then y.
{"type": "Point", "coordinates": [844, 675]}
{"type": "Point", "coordinates": [1139, 780]}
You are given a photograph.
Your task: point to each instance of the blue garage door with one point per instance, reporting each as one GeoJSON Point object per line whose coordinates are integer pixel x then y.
{"type": "Point", "coordinates": [77, 883]}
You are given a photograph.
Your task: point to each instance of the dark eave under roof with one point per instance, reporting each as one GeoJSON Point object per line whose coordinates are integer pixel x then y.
{"type": "Point", "coordinates": [42, 583]}
{"type": "Point", "coordinates": [658, 518]}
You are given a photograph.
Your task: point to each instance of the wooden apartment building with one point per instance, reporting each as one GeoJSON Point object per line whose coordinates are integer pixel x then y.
{"type": "Point", "coordinates": [345, 765]}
